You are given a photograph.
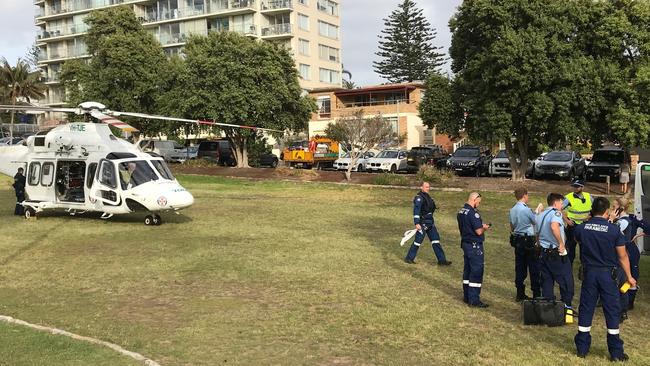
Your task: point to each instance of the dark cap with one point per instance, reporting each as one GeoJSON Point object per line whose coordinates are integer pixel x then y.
{"type": "Point", "coordinates": [576, 182]}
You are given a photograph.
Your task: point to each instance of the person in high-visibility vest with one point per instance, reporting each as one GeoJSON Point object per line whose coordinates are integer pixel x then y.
{"type": "Point", "coordinates": [577, 209]}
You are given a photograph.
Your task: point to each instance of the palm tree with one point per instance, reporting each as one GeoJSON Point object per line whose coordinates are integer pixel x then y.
{"type": "Point", "coordinates": [349, 84]}
{"type": "Point", "coordinates": [20, 82]}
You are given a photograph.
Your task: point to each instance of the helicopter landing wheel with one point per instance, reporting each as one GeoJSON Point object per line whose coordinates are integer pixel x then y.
{"type": "Point", "coordinates": [157, 220]}
{"type": "Point", "coordinates": [29, 213]}
{"type": "Point", "coordinates": [148, 220]}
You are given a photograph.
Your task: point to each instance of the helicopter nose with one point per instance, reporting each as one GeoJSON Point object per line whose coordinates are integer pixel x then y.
{"type": "Point", "coordinates": [175, 199]}
{"type": "Point", "coordinates": [183, 200]}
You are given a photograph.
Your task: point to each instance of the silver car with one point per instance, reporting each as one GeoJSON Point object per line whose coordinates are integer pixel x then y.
{"type": "Point", "coordinates": [343, 162]}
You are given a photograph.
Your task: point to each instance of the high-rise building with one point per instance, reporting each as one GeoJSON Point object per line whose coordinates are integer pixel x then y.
{"type": "Point", "coordinates": [310, 28]}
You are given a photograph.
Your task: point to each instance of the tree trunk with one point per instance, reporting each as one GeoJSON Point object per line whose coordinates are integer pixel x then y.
{"type": "Point", "coordinates": [516, 167]}
{"type": "Point", "coordinates": [11, 127]}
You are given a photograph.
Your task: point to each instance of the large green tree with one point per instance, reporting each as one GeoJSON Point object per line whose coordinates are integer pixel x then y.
{"type": "Point", "coordinates": [406, 49]}
{"type": "Point", "coordinates": [19, 82]}
{"type": "Point", "coordinates": [128, 70]}
{"type": "Point", "coordinates": [552, 72]}
{"type": "Point", "coordinates": [233, 79]}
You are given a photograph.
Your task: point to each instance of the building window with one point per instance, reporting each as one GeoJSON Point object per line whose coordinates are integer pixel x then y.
{"type": "Point", "coordinates": [329, 76]}
{"type": "Point", "coordinates": [303, 2]}
{"type": "Point", "coordinates": [328, 53]}
{"type": "Point", "coordinates": [303, 22]}
{"type": "Point", "coordinates": [303, 47]}
{"type": "Point", "coordinates": [328, 30]}
{"type": "Point", "coordinates": [305, 71]}
{"type": "Point", "coordinates": [324, 106]}
{"type": "Point", "coordinates": [328, 6]}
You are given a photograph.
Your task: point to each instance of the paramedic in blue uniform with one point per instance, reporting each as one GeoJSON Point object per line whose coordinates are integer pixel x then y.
{"type": "Point", "coordinates": [603, 257]}
{"type": "Point", "coordinates": [472, 231]}
{"type": "Point", "coordinates": [19, 187]}
{"type": "Point", "coordinates": [554, 262]}
{"type": "Point", "coordinates": [423, 209]}
{"type": "Point", "coordinates": [522, 238]}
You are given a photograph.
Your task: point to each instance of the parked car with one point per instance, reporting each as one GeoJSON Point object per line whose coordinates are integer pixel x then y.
{"type": "Point", "coordinates": [219, 151]}
{"type": "Point", "coordinates": [343, 162]}
{"type": "Point", "coordinates": [188, 153]}
{"type": "Point", "coordinates": [563, 164]}
{"type": "Point", "coordinates": [424, 155]}
{"type": "Point", "coordinates": [168, 149]}
{"type": "Point", "coordinates": [264, 160]}
{"type": "Point", "coordinates": [468, 159]}
{"type": "Point", "coordinates": [500, 165]}
{"type": "Point", "coordinates": [388, 161]}
{"type": "Point", "coordinates": [607, 161]}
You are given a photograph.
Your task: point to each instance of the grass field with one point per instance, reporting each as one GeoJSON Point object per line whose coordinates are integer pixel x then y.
{"type": "Point", "coordinates": [274, 273]}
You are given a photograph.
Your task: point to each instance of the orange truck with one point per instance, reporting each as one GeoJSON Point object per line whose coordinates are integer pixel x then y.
{"type": "Point", "coordinates": [317, 152]}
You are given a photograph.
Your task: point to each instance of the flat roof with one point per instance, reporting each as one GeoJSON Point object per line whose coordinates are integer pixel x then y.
{"type": "Point", "coordinates": [338, 91]}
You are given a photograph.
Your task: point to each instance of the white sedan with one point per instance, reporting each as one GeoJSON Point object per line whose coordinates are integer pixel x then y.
{"type": "Point", "coordinates": [388, 161]}
{"type": "Point", "coordinates": [342, 163]}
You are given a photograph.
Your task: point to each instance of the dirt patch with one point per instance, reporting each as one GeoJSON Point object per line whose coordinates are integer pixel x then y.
{"type": "Point", "coordinates": [466, 183]}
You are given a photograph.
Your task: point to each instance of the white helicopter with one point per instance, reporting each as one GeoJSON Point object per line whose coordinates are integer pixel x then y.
{"type": "Point", "coordinates": [83, 167]}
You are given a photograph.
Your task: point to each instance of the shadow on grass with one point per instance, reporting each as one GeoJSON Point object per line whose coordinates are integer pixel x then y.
{"type": "Point", "coordinates": [131, 218]}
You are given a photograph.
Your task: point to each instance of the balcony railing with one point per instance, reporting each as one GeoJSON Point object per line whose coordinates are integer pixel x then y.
{"type": "Point", "coordinates": [242, 4]}
{"type": "Point", "coordinates": [39, 13]}
{"type": "Point", "coordinates": [276, 4]}
{"type": "Point", "coordinates": [169, 14]}
{"type": "Point", "coordinates": [75, 5]}
{"type": "Point", "coordinates": [276, 30]}
{"type": "Point", "coordinates": [76, 51]}
{"type": "Point", "coordinates": [63, 31]}
{"type": "Point", "coordinates": [239, 28]}
{"type": "Point", "coordinates": [346, 104]}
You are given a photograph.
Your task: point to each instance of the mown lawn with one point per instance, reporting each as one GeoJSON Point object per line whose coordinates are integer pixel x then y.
{"type": "Point", "coordinates": [274, 273]}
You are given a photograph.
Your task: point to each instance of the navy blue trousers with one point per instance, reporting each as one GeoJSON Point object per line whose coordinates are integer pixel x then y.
{"type": "Point", "coordinates": [430, 230]}
{"type": "Point", "coordinates": [594, 284]}
{"type": "Point", "coordinates": [473, 257]}
{"type": "Point", "coordinates": [627, 299]}
{"type": "Point", "coordinates": [526, 262]}
{"type": "Point", "coordinates": [556, 269]}
{"type": "Point", "coordinates": [571, 244]}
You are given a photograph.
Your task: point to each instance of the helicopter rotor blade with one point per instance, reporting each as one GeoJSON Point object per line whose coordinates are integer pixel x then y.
{"type": "Point", "coordinates": [39, 109]}
{"type": "Point", "coordinates": [112, 121]}
{"type": "Point", "coordinates": [197, 122]}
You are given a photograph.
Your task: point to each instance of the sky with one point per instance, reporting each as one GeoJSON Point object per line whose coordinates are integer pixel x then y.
{"type": "Point", "coordinates": [361, 23]}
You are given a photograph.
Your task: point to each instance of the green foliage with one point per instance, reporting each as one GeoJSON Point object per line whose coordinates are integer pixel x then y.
{"type": "Point", "coordinates": [390, 179]}
{"type": "Point", "coordinates": [553, 72]}
{"type": "Point", "coordinates": [439, 107]}
{"type": "Point", "coordinates": [19, 82]}
{"type": "Point", "coordinates": [406, 51]}
{"type": "Point", "coordinates": [128, 70]}
{"type": "Point", "coordinates": [234, 79]}
{"type": "Point", "coordinates": [433, 175]}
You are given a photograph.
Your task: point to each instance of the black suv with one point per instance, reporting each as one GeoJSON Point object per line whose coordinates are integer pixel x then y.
{"type": "Point", "coordinates": [423, 155]}
{"type": "Point", "coordinates": [218, 151]}
{"type": "Point", "coordinates": [607, 161]}
{"type": "Point", "coordinates": [473, 160]}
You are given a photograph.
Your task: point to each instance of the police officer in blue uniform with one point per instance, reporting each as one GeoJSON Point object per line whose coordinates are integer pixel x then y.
{"type": "Point", "coordinates": [522, 238]}
{"type": "Point", "coordinates": [472, 230]}
{"type": "Point", "coordinates": [423, 209]}
{"type": "Point", "coordinates": [554, 262]}
{"type": "Point", "coordinates": [603, 255]}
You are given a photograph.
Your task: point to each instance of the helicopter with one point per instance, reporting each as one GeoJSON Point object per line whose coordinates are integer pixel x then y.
{"type": "Point", "coordinates": [83, 167]}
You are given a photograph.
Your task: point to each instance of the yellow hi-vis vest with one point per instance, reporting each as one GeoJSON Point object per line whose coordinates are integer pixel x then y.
{"type": "Point", "coordinates": [577, 210]}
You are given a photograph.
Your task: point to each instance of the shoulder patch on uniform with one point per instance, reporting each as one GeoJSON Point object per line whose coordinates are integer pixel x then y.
{"type": "Point", "coordinates": [477, 215]}
{"type": "Point", "coordinates": [558, 214]}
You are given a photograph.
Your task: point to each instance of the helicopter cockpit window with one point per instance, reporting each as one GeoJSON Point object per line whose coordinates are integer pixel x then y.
{"type": "Point", "coordinates": [162, 169]}
{"type": "Point", "coordinates": [107, 175]}
{"type": "Point", "coordinates": [135, 172]}
{"type": "Point", "coordinates": [34, 174]}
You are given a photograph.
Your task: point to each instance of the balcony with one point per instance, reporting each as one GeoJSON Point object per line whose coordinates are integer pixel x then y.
{"type": "Point", "coordinates": [276, 6]}
{"type": "Point", "coordinates": [242, 4]}
{"type": "Point", "coordinates": [277, 31]}
{"type": "Point", "coordinates": [172, 39]}
{"type": "Point", "coordinates": [39, 13]}
{"type": "Point", "coordinates": [172, 14]}
{"type": "Point", "coordinates": [63, 31]}
{"type": "Point", "coordinates": [76, 5]}
{"type": "Point", "coordinates": [246, 30]}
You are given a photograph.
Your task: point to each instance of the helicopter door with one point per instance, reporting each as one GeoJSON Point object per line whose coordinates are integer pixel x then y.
{"type": "Point", "coordinates": [642, 198]}
{"type": "Point", "coordinates": [105, 184]}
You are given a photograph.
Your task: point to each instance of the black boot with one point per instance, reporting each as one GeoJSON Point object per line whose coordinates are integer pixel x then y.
{"type": "Point", "coordinates": [521, 294]}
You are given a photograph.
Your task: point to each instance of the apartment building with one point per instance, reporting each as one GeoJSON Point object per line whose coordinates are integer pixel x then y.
{"type": "Point", "coordinates": [397, 103]}
{"type": "Point", "coordinates": [309, 28]}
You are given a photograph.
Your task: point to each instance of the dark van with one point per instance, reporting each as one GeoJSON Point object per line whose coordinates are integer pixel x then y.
{"type": "Point", "coordinates": [217, 150]}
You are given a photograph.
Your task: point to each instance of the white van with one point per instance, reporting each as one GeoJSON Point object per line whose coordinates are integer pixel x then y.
{"type": "Point", "coordinates": [170, 150]}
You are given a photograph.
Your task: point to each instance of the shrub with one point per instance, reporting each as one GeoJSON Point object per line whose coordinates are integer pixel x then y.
{"type": "Point", "coordinates": [282, 171]}
{"type": "Point", "coordinates": [433, 175]}
{"type": "Point", "coordinates": [390, 179]}
{"type": "Point", "coordinates": [199, 163]}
